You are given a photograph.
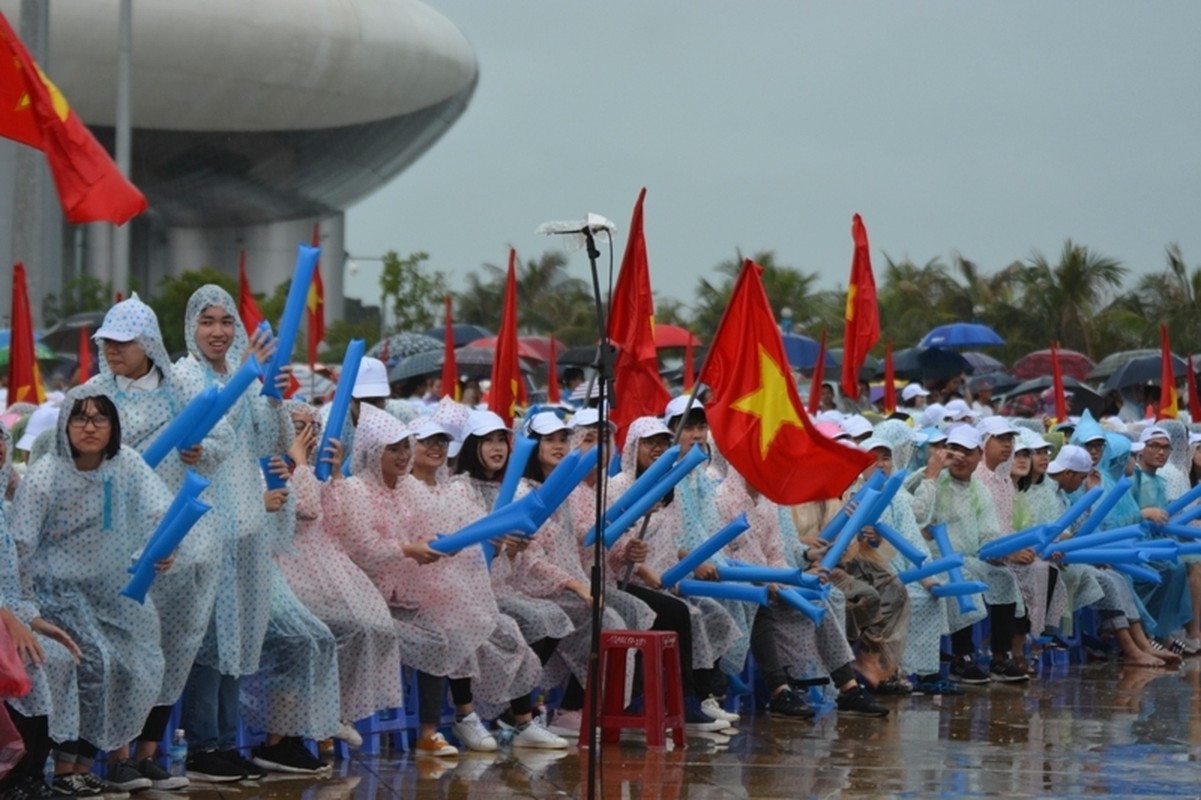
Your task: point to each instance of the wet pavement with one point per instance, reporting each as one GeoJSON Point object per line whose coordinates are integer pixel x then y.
{"type": "Point", "coordinates": [1072, 732]}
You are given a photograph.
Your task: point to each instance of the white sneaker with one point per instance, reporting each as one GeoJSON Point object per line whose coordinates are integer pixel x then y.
{"type": "Point", "coordinates": [349, 734]}
{"type": "Point", "coordinates": [713, 709]}
{"type": "Point", "coordinates": [471, 732]}
{"type": "Point", "coordinates": [566, 724]}
{"type": "Point", "coordinates": [536, 736]}
{"type": "Point", "coordinates": [713, 726]}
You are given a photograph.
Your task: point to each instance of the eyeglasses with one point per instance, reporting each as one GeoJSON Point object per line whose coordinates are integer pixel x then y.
{"type": "Point", "coordinates": [98, 421]}
{"type": "Point", "coordinates": [300, 426]}
{"type": "Point", "coordinates": [437, 440]}
{"type": "Point", "coordinates": [1162, 448]}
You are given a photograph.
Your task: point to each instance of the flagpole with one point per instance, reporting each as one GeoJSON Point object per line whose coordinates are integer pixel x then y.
{"type": "Point", "coordinates": [123, 137]}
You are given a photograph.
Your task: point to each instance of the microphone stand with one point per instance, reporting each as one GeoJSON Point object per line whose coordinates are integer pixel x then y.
{"type": "Point", "coordinates": [604, 367]}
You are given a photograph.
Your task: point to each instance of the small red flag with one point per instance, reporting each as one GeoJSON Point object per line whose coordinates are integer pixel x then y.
{"type": "Point", "coordinates": [1061, 397]}
{"type": "Point", "coordinates": [34, 112]}
{"type": "Point", "coordinates": [450, 370]}
{"type": "Point", "coordinates": [1194, 400]}
{"type": "Point", "coordinates": [248, 307]}
{"type": "Point", "coordinates": [862, 312]}
{"type": "Point", "coordinates": [85, 356]}
{"type": "Point", "coordinates": [640, 390]}
{"type": "Point", "coordinates": [890, 386]}
{"type": "Point", "coordinates": [316, 305]}
{"type": "Point", "coordinates": [1168, 408]}
{"type": "Point", "coordinates": [689, 377]}
{"type": "Point", "coordinates": [24, 376]}
{"type": "Point", "coordinates": [819, 375]}
{"type": "Point", "coordinates": [756, 416]}
{"type": "Point", "coordinates": [552, 374]}
{"type": "Point", "coordinates": [508, 389]}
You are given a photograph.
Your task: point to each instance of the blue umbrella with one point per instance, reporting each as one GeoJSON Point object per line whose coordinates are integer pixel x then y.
{"type": "Point", "coordinates": [802, 351]}
{"type": "Point", "coordinates": [464, 333]}
{"type": "Point", "coordinates": [961, 334]}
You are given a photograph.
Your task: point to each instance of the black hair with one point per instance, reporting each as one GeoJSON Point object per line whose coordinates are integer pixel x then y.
{"type": "Point", "coordinates": [570, 374]}
{"type": "Point", "coordinates": [696, 416]}
{"type": "Point", "coordinates": [671, 493]}
{"type": "Point", "coordinates": [469, 460]}
{"type": "Point", "coordinates": [533, 467]}
{"type": "Point", "coordinates": [104, 405]}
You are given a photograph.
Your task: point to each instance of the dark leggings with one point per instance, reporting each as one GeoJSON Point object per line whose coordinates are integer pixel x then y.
{"type": "Point", "coordinates": [672, 614]}
{"type": "Point", "coordinates": [432, 687]}
{"type": "Point", "coordinates": [156, 724]}
{"type": "Point", "coordinates": [35, 734]}
{"type": "Point", "coordinates": [1004, 627]}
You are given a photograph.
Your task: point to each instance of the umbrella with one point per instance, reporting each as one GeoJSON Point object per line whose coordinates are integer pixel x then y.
{"type": "Point", "coordinates": [417, 364]}
{"type": "Point", "coordinates": [674, 336]}
{"type": "Point", "coordinates": [802, 352]}
{"type": "Point", "coordinates": [535, 348]}
{"type": "Point", "coordinates": [401, 345]}
{"type": "Point", "coordinates": [476, 361]}
{"type": "Point", "coordinates": [1109, 365]}
{"type": "Point", "coordinates": [312, 384]}
{"type": "Point", "coordinates": [63, 336]}
{"type": "Point", "coordinates": [872, 367]}
{"type": "Point", "coordinates": [464, 333]}
{"type": "Point", "coordinates": [582, 356]}
{"type": "Point", "coordinates": [982, 362]}
{"type": "Point", "coordinates": [1082, 395]}
{"type": "Point", "coordinates": [999, 382]}
{"type": "Point", "coordinates": [1141, 371]}
{"type": "Point", "coordinates": [923, 363]}
{"type": "Point", "coordinates": [961, 334]}
{"type": "Point", "coordinates": [41, 353]}
{"type": "Point", "coordinates": [1038, 363]}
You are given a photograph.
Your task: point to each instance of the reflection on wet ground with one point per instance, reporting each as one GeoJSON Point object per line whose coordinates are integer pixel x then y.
{"type": "Point", "coordinates": [1074, 731]}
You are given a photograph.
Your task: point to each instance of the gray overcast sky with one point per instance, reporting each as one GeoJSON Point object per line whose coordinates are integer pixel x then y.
{"type": "Point", "coordinates": [988, 129]}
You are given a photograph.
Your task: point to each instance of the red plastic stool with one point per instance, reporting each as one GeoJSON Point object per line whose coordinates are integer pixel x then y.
{"type": "Point", "coordinates": [662, 690]}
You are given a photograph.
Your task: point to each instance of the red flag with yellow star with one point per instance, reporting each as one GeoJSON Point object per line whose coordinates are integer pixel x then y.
{"type": "Point", "coordinates": [24, 376]}
{"type": "Point", "coordinates": [640, 391]}
{"type": "Point", "coordinates": [862, 315]}
{"type": "Point", "coordinates": [755, 414]}
{"type": "Point", "coordinates": [1168, 407]}
{"type": "Point", "coordinates": [508, 389]}
{"type": "Point", "coordinates": [450, 370]}
{"type": "Point", "coordinates": [315, 305]}
{"type": "Point", "coordinates": [34, 112]}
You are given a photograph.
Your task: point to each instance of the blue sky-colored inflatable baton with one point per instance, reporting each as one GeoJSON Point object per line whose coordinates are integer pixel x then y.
{"type": "Point", "coordinates": [173, 433]}
{"type": "Point", "coordinates": [227, 396]}
{"type": "Point", "coordinates": [723, 591]}
{"type": "Point", "coordinates": [660, 467]}
{"type": "Point", "coordinates": [340, 405]}
{"type": "Point", "coordinates": [862, 516]}
{"type": "Point", "coordinates": [1125, 533]}
{"type": "Point", "coordinates": [802, 604]}
{"type": "Point", "coordinates": [931, 569]}
{"type": "Point", "coordinates": [162, 543]}
{"type": "Point", "coordinates": [704, 550]}
{"type": "Point", "coordinates": [939, 534]}
{"type": "Point", "coordinates": [875, 481]}
{"type": "Point", "coordinates": [294, 307]}
{"type": "Point", "coordinates": [643, 504]}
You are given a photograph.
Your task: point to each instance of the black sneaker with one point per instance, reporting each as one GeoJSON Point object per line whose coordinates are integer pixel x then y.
{"type": "Point", "coordinates": [29, 789]}
{"type": "Point", "coordinates": [72, 785]}
{"type": "Point", "coordinates": [211, 767]}
{"type": "Point", "coordinates": [289, 755]}
{"type": "Point", "coordinates": [787, 704]}
{"type": "Point", "coordinates": [250, 770]}
{"type": "Point", "coordinates": [106, 789]}
{"type": "Point", "coordinates": [964, 670]}
{"type": "Point", "coordinates": [894, 687]}
{"type": "Point", "coordinates": [159, 778]}
{"type": "Point", "coordinates": [126, 776]}
{"type": "Point", "coordinates": [858, 702]}
{"type": "Point", "coordinates": [1008, 671]}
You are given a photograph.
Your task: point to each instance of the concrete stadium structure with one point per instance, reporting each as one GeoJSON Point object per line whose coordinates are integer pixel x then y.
{"type": "Point", "coordinates": [251, 121]}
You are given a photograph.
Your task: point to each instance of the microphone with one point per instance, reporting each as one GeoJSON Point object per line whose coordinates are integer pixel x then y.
{"type": "Point", "coordinates": [593, 223]}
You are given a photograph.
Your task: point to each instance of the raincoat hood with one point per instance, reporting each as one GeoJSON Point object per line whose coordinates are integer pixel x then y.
{"type": "Point", "coordinates": [639, 428]}
{"type": "Point", "coordinates": [135, 318]}
{"type": "Point", "coordinates": [376, 430]}
{"type": "Point", "coordinates": [213, 295]}
{"type": "Point", "coordinates": [63, 442]}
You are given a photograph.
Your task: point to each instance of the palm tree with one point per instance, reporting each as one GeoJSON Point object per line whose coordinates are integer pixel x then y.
{"type": "Point", "coordinates": [1172, 296]}
{"type": "Point", "coordinates": [1064, 299]}
{"type": "Point", "coordinates": [786, 287]}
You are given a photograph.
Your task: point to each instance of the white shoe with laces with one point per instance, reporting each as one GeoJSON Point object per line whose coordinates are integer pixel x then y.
{"type": "Point", "coordinates": [566, 724]}
{"type": "Point", "coordinates": [350, 735]}
{"type": "Point", "coordinates": [712, 709]}
{"type": "Point", "coordinates": [535, 735]}
{"type": "Point", "coordinates": [471, 732]}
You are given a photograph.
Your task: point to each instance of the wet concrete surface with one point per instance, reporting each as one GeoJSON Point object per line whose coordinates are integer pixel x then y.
{"type": "Point", "coordinates": [1071, 732]}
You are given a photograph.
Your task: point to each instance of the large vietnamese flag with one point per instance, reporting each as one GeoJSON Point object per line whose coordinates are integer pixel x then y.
{"type": "Point", "coordinates": [248, 307]}
{"type": "Point", "coordinates": [639, 389]}
{"type": "Point", "coordinates": [34, 112]}
{"type": "Point", "coordinates": [450, 370]}
{"type": "Point", "coordinates": [508, 389]}
{"type": "Point", "coordinates": [862, 315]}
{"type": "Point", "coordinates": [1168, 408]}
{"type": "Point", "coordinates": [24, 377]}
{"type": "Point", "coordinates": [755, 414]}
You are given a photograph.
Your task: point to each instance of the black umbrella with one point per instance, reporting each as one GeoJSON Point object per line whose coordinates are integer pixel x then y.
{"type": "Point", "coordinates": [1083, 395]}
{"type": "Point", "coordinates": [464, 333]}
{"type": "Point", "coordinates": [582, 356]}
{"type": "Point", "coordinates": [1109, 365]}
{"type": "Point", "coordinates": [398, 346]}
{"type": "Point", "coordinates": [925, 363]}
{"type": "Point", "coordinates": [63, 337]}
{"type": "Point", "coordinates": [427, 363]}
{"type": "Point", "coordinates": [1142, 371]}
{"type": "Point", "coordinates": [998, 382]}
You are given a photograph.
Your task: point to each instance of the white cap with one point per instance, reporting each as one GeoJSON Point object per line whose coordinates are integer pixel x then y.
{"type": "Point", "coordinates": [655, 428]}
{"type": "Point", "coordinates": [913, 390]}
{"type": "Point", "coordinates": [934, 435]}
{"type": "Point", "coordinates": [855, 425]}
{"type": "Point", "coordinates": [427, 427]}
{"type": "Point", "coordinates": [1154, 432]}
{"type": "Point", "coordinates": [1029, 440]}
{"type": "Point", "coordinates": [545, 423]}
{"type": "Point", "coordinates": [1194, 438]}
{"type": "Point", "coordinates": [870, 444]}
{"type": "Point", "coordinates": [42, 419]}
{"type": "Point", "coordinates": [964, 436]}
{"type": "Point", "coordinates": [481, 423]}
{"type": "Point", "coordinates": [1070, 457]}
{"type": "Point", "coordinates": [677, 405]}
{"type": "Point", "coordinates": [371, 379]}
{"type": "Point", "coordinates": [959, 410]}
{"type": "Point", "coordinates": [830, 416]}
{"type": "Point", "coordinates": [995, 426]}
{"type": "Point", "coordinates": [113, 335]}
{"type": "Point", "coordinates": [933, 415]}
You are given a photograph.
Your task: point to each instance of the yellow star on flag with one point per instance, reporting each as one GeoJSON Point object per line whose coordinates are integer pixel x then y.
{"type": "Point", "coordinates": [770, 403]}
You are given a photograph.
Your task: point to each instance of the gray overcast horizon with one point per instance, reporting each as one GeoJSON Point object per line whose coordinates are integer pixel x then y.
{"type": "Point", "coordinates": [989, 129]}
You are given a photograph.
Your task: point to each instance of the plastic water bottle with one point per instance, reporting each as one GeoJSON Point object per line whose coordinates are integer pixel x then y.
{"type": "Point", "coordinates": [179, 753]}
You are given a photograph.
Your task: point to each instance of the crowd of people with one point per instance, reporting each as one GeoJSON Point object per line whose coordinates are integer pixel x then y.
{"type": "Point", "coordinates": [293, 603]}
